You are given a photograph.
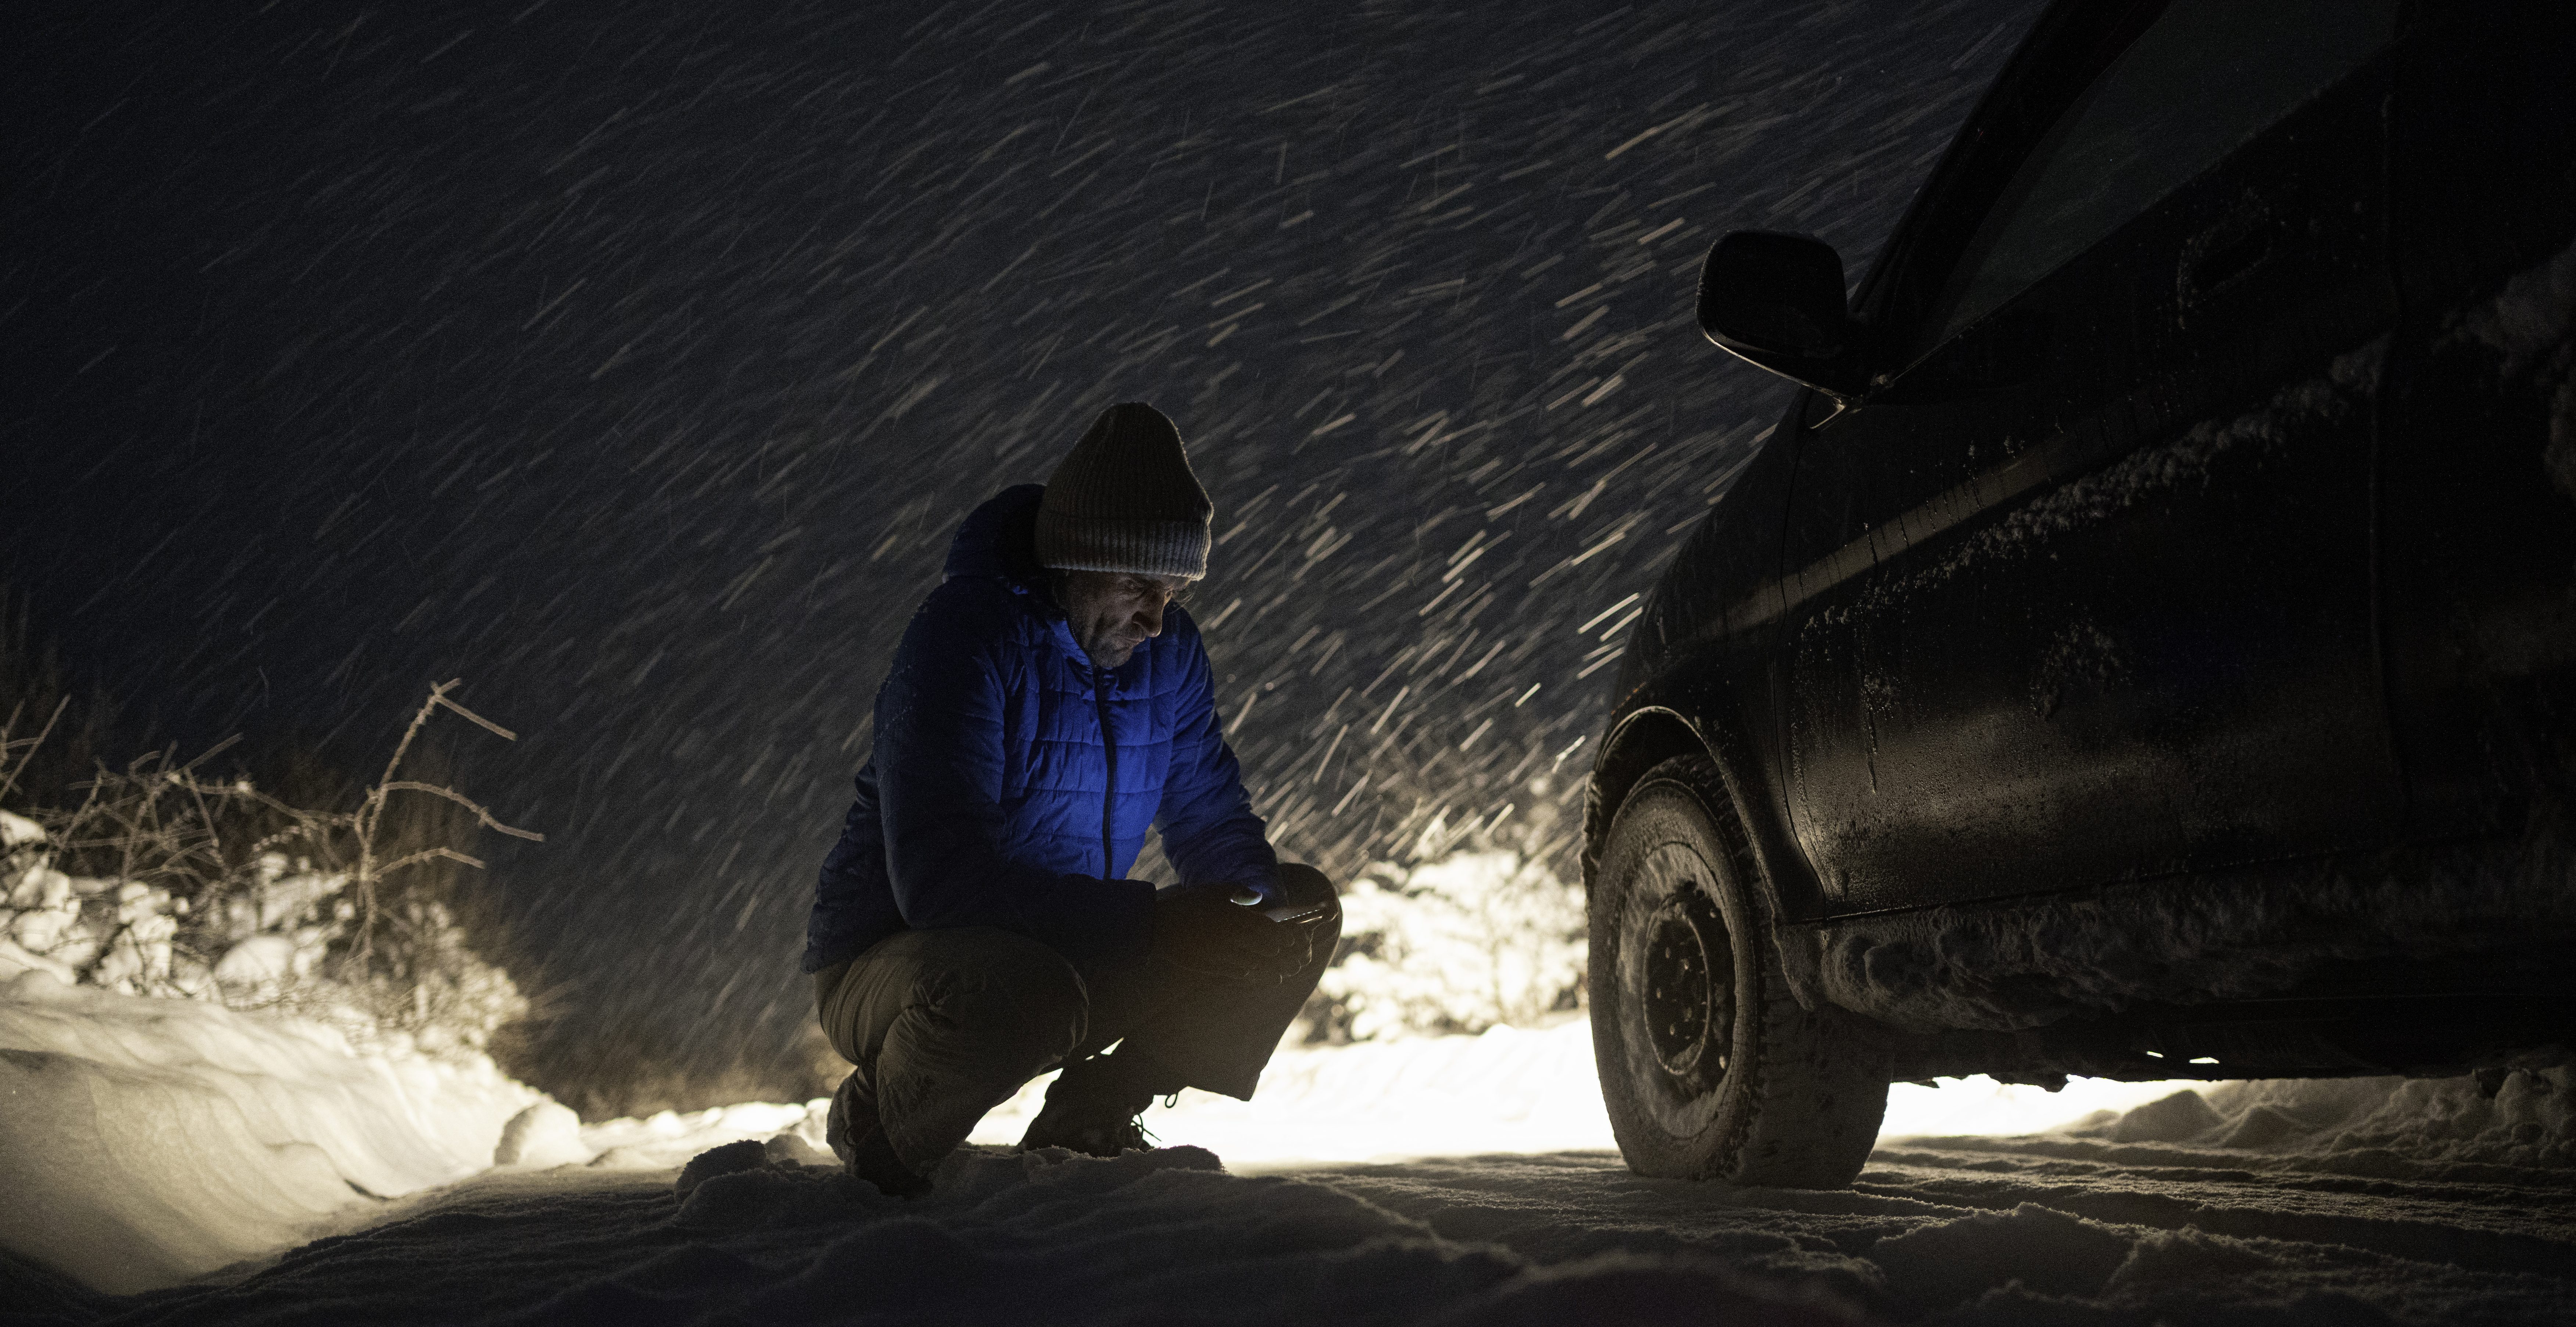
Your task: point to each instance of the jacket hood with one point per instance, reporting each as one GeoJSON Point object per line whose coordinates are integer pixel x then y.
{"type": "Point", "coordinates": [999, 539]}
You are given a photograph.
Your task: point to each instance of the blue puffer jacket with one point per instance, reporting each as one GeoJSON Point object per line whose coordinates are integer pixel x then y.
{"type": "Point", "coordinates": [993, 797]}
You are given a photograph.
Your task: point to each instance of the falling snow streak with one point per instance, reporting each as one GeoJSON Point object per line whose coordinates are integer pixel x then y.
{"type": "Point", "coordinates": [639, 366]}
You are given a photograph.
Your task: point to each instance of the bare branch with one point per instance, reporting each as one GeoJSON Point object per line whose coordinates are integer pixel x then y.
{"type": "Point", "coordinates": [376, 799]}
{"type": "Point", "coordinates": [12, 780]}
{"type": "Point", "coordinates": [403, 785]}
{"type": "Point", "coordinates": [208, 754]}
{"type": "Point", "coordinates": [427, 855]}
{"type": "Point", "coordinates": [504, 733]}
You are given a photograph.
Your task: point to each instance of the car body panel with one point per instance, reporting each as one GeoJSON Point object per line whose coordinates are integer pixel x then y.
{"type": "Point", "coordinates": [2021, 611]}
{"type": "Point", "coordinates": [2221, 563]}
{"type": "Point", "coordinates": [2476, 478]}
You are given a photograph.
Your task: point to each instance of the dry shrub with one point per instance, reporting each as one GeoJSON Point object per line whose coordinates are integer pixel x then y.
{"type": "Point", "coordinates": [163, 880]}
{"type": "Point", "coordinates": [1456, 945]}
{"type": "Point", "coordinates": [1474, 929]}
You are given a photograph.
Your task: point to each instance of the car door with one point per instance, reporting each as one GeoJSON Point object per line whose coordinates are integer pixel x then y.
{"type": "Point", "coordinates": [2477, 523]}
{"type": "Point", "coordinates": [2080, 590]}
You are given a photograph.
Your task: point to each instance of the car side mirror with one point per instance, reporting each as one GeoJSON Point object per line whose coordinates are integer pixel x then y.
{"type": "Point", "coordinates": [1776, 301]}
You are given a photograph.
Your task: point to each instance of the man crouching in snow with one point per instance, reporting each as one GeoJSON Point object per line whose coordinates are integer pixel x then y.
{"type": "Point", "coordinates": [973, 928]}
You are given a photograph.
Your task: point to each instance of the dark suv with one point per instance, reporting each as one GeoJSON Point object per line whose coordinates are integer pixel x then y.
{"type": "Point", "coordinates": [2147, 649]}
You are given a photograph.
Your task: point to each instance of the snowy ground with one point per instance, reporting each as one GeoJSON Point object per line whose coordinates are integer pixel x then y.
{"type": "Point", "coordinates": [140, 1134]}
{"type": "Point", "coordinates": [1972, 1230]}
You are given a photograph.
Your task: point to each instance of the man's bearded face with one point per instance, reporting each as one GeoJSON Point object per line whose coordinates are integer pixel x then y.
{"type": "Point", "coordinates": [1111, 613]}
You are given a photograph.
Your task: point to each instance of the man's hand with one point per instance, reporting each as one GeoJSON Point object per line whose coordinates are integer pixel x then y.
{"type": "Point", "coordinates": [1204, 931]}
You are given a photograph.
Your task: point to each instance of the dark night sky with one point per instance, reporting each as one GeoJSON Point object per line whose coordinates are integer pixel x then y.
{"type": "Point", "coordinates": [634, 363]}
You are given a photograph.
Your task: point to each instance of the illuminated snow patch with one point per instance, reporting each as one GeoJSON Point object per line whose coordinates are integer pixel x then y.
{"type": "Point", "coordinates": [1508, 1090]}
{"type": "Point", "coordinates": [1980, 1105]}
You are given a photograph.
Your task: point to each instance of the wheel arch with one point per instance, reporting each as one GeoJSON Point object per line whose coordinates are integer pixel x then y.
{"type": "Point", "coordinates": [1651, 734]}
{"type": "Point", "coordinates": [1642, 739]}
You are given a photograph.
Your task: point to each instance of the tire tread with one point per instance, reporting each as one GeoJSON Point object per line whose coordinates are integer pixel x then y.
{"type": "Point", "coordinates": [1804, 1098]}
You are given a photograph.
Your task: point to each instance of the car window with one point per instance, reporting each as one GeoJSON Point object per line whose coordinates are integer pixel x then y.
{"type": "Point", "coordinates": [2206, 77]}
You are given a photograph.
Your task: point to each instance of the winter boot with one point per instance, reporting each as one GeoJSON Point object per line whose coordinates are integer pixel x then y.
{"type": "Point", "coordinates": [859, 1140]}
{"type": "Point", "coordinates": [1091, 1108]}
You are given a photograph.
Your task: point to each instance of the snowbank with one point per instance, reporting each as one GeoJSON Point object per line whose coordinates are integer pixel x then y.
{"type": "Point", "coordinates": [2412, 1128]}
{"type": "Point", "coordinates": [149, 1141]}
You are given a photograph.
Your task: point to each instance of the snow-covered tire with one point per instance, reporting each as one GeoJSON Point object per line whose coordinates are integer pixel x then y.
{"type": "Point", "coordinates": [1710, 1067]}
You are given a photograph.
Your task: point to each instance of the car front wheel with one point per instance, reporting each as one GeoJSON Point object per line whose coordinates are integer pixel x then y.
{"type": "Point", "coordinates": [1709, 1066]}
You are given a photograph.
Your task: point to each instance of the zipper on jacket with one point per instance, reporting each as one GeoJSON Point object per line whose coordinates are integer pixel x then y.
{"type": "Point", "coordinates": [1109, 758]}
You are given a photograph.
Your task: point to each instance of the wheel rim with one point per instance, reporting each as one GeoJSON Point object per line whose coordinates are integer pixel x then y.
{"type": "Point", "coordinates": [1677, 1005]}
{"type": "Point", "coordinates": [1677, 987]}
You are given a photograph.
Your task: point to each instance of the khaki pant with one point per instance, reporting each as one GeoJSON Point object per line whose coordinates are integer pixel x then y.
{"type": "Point", "coordinates": [945, 1025]}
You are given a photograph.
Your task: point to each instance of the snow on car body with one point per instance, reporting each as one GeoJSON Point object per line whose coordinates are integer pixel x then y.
{"type": "Point", "coordinates": [2144, 650]}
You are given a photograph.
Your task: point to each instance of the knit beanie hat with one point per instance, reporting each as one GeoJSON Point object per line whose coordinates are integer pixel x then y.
{"type": "Point", "coordinates": [1124, 500]}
